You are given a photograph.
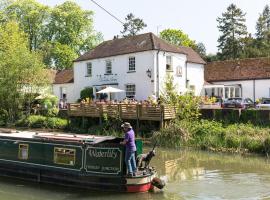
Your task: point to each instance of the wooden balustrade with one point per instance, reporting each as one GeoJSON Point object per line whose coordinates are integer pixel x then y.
{"type": "Point", "coordinates": [124, 111]}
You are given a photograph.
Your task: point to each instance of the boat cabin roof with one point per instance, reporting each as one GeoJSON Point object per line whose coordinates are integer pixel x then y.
{"type": "Point", "coordinates": [54, 136]}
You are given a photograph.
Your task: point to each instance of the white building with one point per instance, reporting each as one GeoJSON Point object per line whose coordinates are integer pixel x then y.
{"type": "Point", "coordinates": [247, 78]}
{"type": "Point", "coordinates": [63, 86]}
{"type": "Point", "coordinates": [138, 65]}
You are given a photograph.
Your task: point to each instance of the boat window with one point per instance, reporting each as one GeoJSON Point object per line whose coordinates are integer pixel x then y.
{"type": "Point", "coordinates": [64, 156]}
{"type": "Point", "coordinates": [23, 151]}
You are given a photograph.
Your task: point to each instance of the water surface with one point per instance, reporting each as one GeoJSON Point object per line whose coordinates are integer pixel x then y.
{"type": "Point", "coordinates": [189, 175]}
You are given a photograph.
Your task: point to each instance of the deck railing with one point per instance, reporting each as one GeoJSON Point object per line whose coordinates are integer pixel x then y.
{"type": "Point", "coordinates": [123, 111]}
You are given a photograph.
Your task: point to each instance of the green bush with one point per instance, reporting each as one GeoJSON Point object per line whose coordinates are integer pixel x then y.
{"type": "Point", "coordinates": [87, 93]}
{"type": "Point", "coordinates": [39, 121]}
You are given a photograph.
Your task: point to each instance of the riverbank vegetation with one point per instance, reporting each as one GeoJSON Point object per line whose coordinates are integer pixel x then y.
{"type": "Point", "coordinates": [221, 134]}
{"type": "Point", "coordinates": [215, 136]}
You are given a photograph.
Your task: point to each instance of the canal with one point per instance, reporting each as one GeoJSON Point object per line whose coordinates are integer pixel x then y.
{"type": "Point", "coordinates": [189, 175]}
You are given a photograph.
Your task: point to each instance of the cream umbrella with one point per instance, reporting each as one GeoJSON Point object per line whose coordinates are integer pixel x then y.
{"type": "Point", "coordinates": [110, 90]}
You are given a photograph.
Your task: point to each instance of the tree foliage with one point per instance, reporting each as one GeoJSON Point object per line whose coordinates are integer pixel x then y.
{"type": "Point", "coordinates": [21, 71]}
{"type": "Point", "coordinates": [59, 32]}
{"type": "Point", "coordinates": [187, 106]}
{"type": "Point", "coordinates": [233, 29]}
{"type": "Point", "coordinates": [179, 38]}
{"type": "Point", "coordinates": [132, 26]}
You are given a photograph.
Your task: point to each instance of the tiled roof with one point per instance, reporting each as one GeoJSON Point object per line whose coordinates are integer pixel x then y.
{"type": "Point", "coordinates": [64, 76]}
{"type": "Point", "coordinates": [138, 43]}
{"type": "Point", "coordinates": [244, 69]}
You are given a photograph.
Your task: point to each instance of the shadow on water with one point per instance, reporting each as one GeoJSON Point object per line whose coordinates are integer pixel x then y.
{"type": "Point", "coordinates": [189, 175]}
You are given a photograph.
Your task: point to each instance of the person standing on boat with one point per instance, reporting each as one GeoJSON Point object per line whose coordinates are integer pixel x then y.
{"type": "Point", "coordinates": [129, 142]}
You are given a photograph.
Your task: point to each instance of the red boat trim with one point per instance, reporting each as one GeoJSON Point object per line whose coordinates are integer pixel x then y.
{"type": "Point", "coordinates": [139, 188]}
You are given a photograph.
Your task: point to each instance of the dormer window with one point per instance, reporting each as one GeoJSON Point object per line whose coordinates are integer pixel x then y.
{"type": "Point", "coordinates": [169, 63]}
{"type": "Point", "coordinates": [108, 67]}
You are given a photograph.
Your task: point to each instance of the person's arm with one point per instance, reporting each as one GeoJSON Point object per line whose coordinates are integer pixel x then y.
{"type": "Point", "coordinates": [125, 141]}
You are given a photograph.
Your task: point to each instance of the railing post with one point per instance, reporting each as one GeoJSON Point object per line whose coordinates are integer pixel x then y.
{"type": "Point", "coordinates": [161, 116]}
{"type": "Point", "coordinates": [138, 116]}
{"type": "Point", "coordinates": [100, 114]}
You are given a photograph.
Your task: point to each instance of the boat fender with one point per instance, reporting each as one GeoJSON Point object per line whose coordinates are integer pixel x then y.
{"type": "Point", "coordinates": [157, 182]}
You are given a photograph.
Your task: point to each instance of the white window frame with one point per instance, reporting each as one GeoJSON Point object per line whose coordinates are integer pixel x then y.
{"type": "Point", "coordinates": [169, 66]}
{"type": "Point", "coordinates": [132, 64]}
{"type": "Point", "coordinates": [179, 71]}
{"type": "Point", "coordinates": [130, 92]}
{"type": "Point", "coordinates": [108, 67]}
{"type": "Point", "coordinates": [63, 90]}
{"type": "Point", "coordinates": [89, 69]}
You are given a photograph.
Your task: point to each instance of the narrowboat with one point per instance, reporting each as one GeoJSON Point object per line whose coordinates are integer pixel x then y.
{"type": "Point", "coordinates": [73, 160]}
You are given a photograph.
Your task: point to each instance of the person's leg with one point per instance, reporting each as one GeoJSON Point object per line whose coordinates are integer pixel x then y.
{"type": "Point", "coordinates": [133, 163]}
{"type": "Point", "coordinates": [128, 162]}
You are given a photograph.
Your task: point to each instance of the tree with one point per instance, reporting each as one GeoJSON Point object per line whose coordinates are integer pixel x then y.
{"type": "Point", "coordinates": [132, 26]}
{"type": "Point", "coordinates": [263, 24]}
{"type": "Point", "coordinates": [177, 37]}
{"type": "Point", "coordinates": [200, 49]}
{"type": "Point", "coordinates": [31, 17]}
{"type": "Point", "coordinates": [63, 55]}
{"type": "Point", "coordinates": [21, 71]}
{"type": "Point", "coordinates": [233, 29]}
{"type": "Point", "coordinates": [48, 28]}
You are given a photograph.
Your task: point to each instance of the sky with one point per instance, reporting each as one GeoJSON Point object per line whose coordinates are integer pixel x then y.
{"type": "Point", "coordinates": [197, 18]}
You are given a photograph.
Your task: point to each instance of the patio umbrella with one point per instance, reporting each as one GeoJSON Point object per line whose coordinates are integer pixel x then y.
{"type": "Point", "coordinates": [110, 90]}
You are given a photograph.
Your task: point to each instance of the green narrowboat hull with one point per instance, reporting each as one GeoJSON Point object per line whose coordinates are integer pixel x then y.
{"type": "Point", "coordinates": [91, 162]}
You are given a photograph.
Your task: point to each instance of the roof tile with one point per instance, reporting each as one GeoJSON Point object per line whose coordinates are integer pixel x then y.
{"type": "Point", "coordinates": [244, 69]}
{"type": "Point", "coordinates": [138, 43]}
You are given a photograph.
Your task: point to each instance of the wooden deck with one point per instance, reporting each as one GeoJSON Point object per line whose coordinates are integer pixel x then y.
{"type": "Point", "coordinates": [123, 111]}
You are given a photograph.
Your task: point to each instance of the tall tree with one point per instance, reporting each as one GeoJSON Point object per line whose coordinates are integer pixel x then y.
{"type": "Point", "coordinates": [21, 71]}
{"type": "Point", "coordinates": [262, 42]}
{"type": "Point", "coordinates": [32, 17]}
{"type": "Point", "coordinates": [263, 24]}
{"type": "Point", "coordinates": [233, 29]}
{"type": "Point", "coordinates": [132, 26]}
{"type": "Point", "coordinates": [49, 28]}
{"type": "Point", "coordinates": [179, 38]}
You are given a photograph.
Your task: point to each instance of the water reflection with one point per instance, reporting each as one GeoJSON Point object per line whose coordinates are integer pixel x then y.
{"type": "Point", "coordinates": [204, 175]}
{"type": "Point", "coordinates": [189, 175]}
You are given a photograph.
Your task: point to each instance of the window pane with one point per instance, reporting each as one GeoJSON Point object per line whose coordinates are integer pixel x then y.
{"type": "Point", "coordinates": [108, 67]}
{"type": "Point", "coordinates": [168, 63]}
{"type": "Point", "coordinates": [23, 151]}
{"type": "Point", "coordinates": [64, 156]}
{"type": "Point", "coordinates": [131, 66]}
{"type": "Point", "coordinates": [237, 92]}
{"type": "Point", "coordinates": [89, 69]}
{"type": "Point", "coordinates": [130, 91]}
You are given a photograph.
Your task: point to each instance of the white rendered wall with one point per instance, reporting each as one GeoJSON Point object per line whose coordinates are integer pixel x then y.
{"type": "Point", "coordinates": [120, 74]}
{"type": "Point", "coordinates": [262, 88]}
{"type": "Point", "coordinates": [178, 60]}
{"type": "Point", "coordinates": [195, 75]}
{"type": "Point", "coordinates": [71, 97]}
{"type": "Point", "coordinates": [145, 86]}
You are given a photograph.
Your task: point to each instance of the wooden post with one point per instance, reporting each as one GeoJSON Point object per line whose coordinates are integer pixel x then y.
{"type": "Point", "coordinates": [161, 116]}
{"type": "Point", "coordinates": [100, 114]}
{"type": "Point", "coordinates": [83, 122]}
{"type": "Point", "coordinates": [138, 109]}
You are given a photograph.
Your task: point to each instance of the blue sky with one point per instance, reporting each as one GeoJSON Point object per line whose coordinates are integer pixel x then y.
{"type": "Point", "coordinates": [197, 18]}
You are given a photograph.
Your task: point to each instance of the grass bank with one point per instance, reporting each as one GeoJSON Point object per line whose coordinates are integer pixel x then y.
{"type": "Point", "coordinates": [215, 136]}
